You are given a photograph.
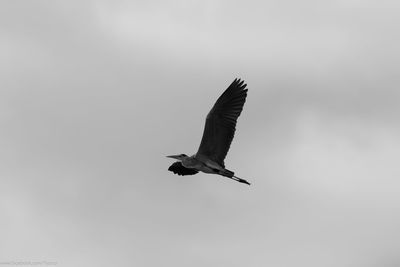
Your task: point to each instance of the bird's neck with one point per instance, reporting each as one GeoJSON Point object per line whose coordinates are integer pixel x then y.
{"type": "Point", "coordinates": [188, 162]}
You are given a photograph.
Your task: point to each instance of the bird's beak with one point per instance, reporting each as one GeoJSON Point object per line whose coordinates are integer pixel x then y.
{"type": "Point", "coordinates": [173, 157]}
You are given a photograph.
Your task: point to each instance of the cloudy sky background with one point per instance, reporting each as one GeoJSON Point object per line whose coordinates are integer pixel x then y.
{"type": "Point", "coordinates": [95, 94]}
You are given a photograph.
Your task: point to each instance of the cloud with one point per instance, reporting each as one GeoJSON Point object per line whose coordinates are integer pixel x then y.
{"type": "Point", "coordinates": [94, 95]}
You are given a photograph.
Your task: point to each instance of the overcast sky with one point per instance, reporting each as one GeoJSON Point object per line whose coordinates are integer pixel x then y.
{"type": "Point", "coordinates": [95, 94]}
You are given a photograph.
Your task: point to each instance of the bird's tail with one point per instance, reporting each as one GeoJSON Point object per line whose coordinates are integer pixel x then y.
{"type": "Point", "coordinates": [231, 174]}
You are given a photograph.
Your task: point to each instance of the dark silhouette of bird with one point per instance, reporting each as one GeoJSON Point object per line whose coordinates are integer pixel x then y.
{"type": "Point", "coordinates": [217, 136]}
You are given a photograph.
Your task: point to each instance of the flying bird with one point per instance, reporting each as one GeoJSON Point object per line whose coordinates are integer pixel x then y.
{"type": "Point", "coordinates": [217, 136]}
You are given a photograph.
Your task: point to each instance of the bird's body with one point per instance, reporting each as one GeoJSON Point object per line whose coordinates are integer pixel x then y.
{"type": "Point", "coordinates": [205, 166]}
{"type": "Point", "coordinates": [217, 136]}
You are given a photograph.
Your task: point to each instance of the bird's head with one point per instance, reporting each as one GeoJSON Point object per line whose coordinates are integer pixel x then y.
{"type": "Point", "coordinates": [178, 157]}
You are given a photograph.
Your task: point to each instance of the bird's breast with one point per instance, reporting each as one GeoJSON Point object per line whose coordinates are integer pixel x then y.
{"type": "Point", "coordinates": [191, 163]}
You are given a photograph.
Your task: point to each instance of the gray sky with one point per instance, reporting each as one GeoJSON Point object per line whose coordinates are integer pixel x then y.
{"type": "Point", "coordinates": [95, 94]}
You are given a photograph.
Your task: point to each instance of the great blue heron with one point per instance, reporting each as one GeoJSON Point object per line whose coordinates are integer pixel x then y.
{"type": "Point", "coordinates": [217, 136]}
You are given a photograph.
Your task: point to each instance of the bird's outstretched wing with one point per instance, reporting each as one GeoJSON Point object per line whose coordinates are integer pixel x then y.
{"type": "Point", "coordinates": [178, 168]}
{"type": "Point", "coordinates": [221, 122]}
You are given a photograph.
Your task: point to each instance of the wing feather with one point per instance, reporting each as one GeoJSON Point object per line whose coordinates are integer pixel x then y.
{"type": "Point", "coordinates": [221, 122]}
{"type": "Point", "coordinates": [178, 168]}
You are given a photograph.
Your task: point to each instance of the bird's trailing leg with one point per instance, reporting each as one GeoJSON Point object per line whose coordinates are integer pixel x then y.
{"type": "Point", "coordinates": [231, 175]}
{"type": "Point", "coordinates": [240, 180]}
